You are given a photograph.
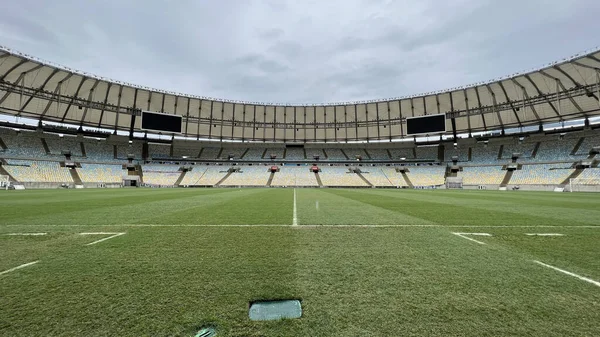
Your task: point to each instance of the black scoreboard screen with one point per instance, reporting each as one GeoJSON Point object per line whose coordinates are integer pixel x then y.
{"type": "Point", "coordinates": [161, 122]}
{"type": "Point", "coordinates": [426, 124]}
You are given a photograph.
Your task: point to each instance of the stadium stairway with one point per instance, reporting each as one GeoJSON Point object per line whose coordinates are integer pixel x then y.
{"type": "Point", "coordinates": [5, 173]}
{"type": "Point", "coordinates": [577, 146]}
{"type": "Point", "coordinates": [318, 179]}
{"type": "Point", "coordinates": [364, 179]}
{"type": "Point", "coordinates": [3, 145]}
{"type": "Point", "coordinates": [270, 179]}
{"type": "Point", "coordinates": [407, 179]}
{"type": "Point", "coordinates": [264, 153]}
{"type": "Point", "coordinates": [83, 152]}
{"type": "Point", "coordinates": [75, 176]}
{"type": "Point", "coordinates": [243, 154]}
{"type": "Point", "coordinates": [573, 175]}
{"type": "Point", "coordinates": [225, 177]}
{"type": "Point", "coordinates": [535, 149]}
{"type": "Point", "coordinates": [45, 145]}
{"type": "Point", "coordinates": [500, 151]}
{"type": "Point", "coordinates": [344, 153]}
{"type": "Point", "coordinates": [507, 177]}
{"type": "Point", "coordinates": [181, 176]}
{"type": "Point", "coordinates": [389, 153]}
{"type": "Point", "coordinates": [368, 154]}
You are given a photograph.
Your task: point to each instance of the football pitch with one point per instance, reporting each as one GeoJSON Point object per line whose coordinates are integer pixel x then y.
{"type": "Point", "coordinates": [363, 262]}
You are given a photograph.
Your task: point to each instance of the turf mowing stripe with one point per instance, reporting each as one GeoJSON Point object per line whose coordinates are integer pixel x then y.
{"type": "Point", "coordinates": [284, 225]}
{"type": "Point", "coordinates": [19, 267]}
{"type": "Point", "coordinates": [544, 234]}
{"type": "Point", "coordinates": [100, 233]}
{"type": "Point", "coordinates": [463, 235]}
{"type": "Point", "coordinates": [26, 234]}
{"type": "Point", "coordinates": [596, 283]}
{"type": "Point", "coordinates": [295, 219]}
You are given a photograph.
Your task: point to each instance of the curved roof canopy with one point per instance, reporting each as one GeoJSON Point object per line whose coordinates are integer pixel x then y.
{"type": "Point", "coordinates": [564, 90]}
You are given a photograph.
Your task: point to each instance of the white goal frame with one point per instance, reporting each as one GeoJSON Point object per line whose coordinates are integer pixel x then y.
{"type": "Point", "coordinates": [4, 181]}
{"type": "Point", "coordinates": [574, 182]}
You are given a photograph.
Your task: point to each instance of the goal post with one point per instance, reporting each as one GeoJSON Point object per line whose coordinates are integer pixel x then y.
{"type": "Point", "coordinates": [4, 181]}
{"type": "Point", "coordinates": [582, 184]}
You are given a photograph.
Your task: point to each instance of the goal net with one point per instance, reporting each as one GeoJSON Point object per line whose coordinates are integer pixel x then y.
{"type": "Point", "coordinates": [583, 184]}
{"type": "Point", "coordinates": [4, 182]}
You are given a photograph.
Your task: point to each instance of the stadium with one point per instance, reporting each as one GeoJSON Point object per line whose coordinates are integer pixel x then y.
{"type": "Point", "coordinates": [134, 211]}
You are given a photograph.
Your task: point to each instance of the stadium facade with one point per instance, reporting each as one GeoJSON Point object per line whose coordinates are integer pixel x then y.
{"type": "Point", "coordinates": [536, 129]}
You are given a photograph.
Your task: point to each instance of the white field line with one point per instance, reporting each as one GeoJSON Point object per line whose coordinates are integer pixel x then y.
{"type": "Point", "coordinates": [295, 219]}
{"type": "Point", "coordinates": [101, 233]}
{"type": "Point", "coordinates": [26, 234]}
{"type": "Point", "coordinates": [19, 267]}
{"type": "Point", "coordinates": [288, 225]}
{"type": "Point", "coordinates": [544, 234]}
{"type": "Point", "coordinates": [596, 283]}
{"type": "Point", "coordinates": [464, 236]}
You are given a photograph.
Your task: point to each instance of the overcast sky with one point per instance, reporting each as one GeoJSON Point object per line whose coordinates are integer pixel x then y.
{"type": "Point", "coordinates": [309, 51]}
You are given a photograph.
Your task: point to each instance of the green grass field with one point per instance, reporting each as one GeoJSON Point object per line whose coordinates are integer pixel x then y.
{"type": "Point", "coordinates": [364, 262]}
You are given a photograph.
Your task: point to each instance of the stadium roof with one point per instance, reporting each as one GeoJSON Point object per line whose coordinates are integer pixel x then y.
{"type": "Point", "coordinates": [561, 91]}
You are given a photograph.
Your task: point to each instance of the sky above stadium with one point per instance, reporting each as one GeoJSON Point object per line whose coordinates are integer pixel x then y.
{"type": "Point", "coordinates": [301, 51]}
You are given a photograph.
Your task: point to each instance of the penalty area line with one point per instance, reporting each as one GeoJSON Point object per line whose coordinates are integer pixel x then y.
{"type": "Point", "coordinates": [114, 235]}
{"type": "Point", "coordinates": [19, 267]}
{"type": "Point", "coordinates": [464, 236]}
{"type": "Point", "coordinates": [295, 217]}
{"type": "Point", "coordinates": [589, 280]}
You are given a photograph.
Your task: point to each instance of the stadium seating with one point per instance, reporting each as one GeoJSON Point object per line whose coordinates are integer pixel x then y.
{"type": "Point", "coordinates": [352, 153]}
{"type": "Point", "coordinates": [204, 175]}
{"type": "Point", "coordinates": [23, 144]}
{"type": "Point", "coordinates": [123, 150]}
{"type": "Point", "coordinates": [482, 175]}
{"type": "Point", "coordinates": [427, 152]}
{"type": "Point", "coordinates": [546, 174]}
{"type": "Point", "coordinates": [378, 154]}
{"type": "Point", "coordinates": [156, 150]}
{"type": "Point", "coordinates": [249, 176]}
{"type": "Point", "coordinates": [524, 148]}
{"type": "Point", "coordinates": [101, 173]}
{"type": "Point", "coordinates": [339, 176]}
{"type": "Point", "coordinates": [274, 151]}
{"type": "Point", "coordinates": [311, 153]}
{"type": "Point", "coordinates": [556, 150]}
{"type": "Point", "coordinates": [38, 171]}
{"type": "Point", "coordinates": [426, 175]}
{"type": "Point", "coordinates": [57, 144]}
{"type": "Point", "coordinates": [398, 153]}
{"type": "Point", "coordinates": [254, 154]}
{"type": "Point", "coordinates": [294, 153]}
{"type": "Point", "coordinates": [335, 154]}
{"type": "Point", "coordinates": [210, 153]}
{"type": "Point", "coordinates": [294, 176]}
{"type": "Point", "coordinates": [383, 176]}
{"type": "Point", "coordinates": [461, 152]}
{"type": "Point", "coordinates": [485, 154]}
{"type": "Point", "coordinates": [235, 152]}
{"type": "Point", "coordinates": [588, 143]}
{"type": "Point", "coordinates": [98, 150]}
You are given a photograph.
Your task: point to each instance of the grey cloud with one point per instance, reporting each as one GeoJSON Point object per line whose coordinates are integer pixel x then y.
{"type": "Point", "coordinates": [300, 51]}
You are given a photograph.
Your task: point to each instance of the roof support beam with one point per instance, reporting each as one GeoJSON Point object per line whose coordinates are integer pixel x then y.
{"type": "Point", "coordinates": [90, 97]}
{"type": "Point", "coordinates": [542, 94]}
{"type": "Point", "coordinates": [561, 86]}
{"type": "Point", "coordinates": [510, 103]}
{"type": "Point", "coordinates": [526, 96]}
{"type": "Point", "coordinates": [23, 61]}
{"type": "Point", "coordinates": [573, 80]}
{"type": "Point", "coordinates": [57, 94]}
{"type": "Point", "coordinates": [479, 103]}
{"type": "Point", "coordinates": [40, 88]}
{"type": "Point", "coordinates": [83, 79]}
{"type": "Point", "coordinates": [110, 84]}
{"type": "Point", "coordinates": [494, 102]}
